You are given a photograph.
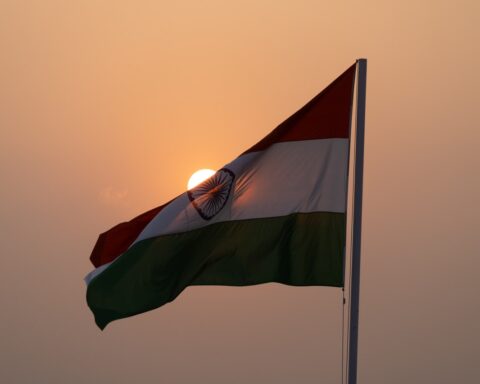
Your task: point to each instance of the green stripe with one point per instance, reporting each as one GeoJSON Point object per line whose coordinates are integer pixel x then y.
{"type": "Point", "coordinates": [299, 249]}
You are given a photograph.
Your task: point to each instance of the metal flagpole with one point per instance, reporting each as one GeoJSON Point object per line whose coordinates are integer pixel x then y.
{"type": "Point", "coordinates": [357, 222]}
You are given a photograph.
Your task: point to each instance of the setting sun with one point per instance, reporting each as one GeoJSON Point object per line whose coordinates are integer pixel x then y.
{"type": "Point", "coordinates": [199, 176]}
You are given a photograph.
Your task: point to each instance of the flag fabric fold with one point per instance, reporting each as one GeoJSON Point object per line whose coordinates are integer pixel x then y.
{"type": "Point", "coordinates": [277, 213]}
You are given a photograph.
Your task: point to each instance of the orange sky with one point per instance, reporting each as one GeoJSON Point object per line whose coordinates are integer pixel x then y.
{"type": "Point", "coordinates": [107, 108]}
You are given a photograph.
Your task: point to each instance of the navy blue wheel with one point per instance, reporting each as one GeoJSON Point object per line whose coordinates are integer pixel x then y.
{"type": "Point", "coordinates": [210, 196]}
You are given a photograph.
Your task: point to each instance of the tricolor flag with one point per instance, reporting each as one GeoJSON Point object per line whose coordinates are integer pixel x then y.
{"type": "Point", "coordinates": [277, 213]}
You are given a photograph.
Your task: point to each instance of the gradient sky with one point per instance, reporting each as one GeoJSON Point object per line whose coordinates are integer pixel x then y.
{"type": "Point", "coordinates": [106, 109]}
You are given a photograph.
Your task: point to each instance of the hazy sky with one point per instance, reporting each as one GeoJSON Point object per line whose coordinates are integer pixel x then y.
{"type": "Point", "coordinates": [107, 107]}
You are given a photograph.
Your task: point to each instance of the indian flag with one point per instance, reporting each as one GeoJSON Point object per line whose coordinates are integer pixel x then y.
{"type": "Point", "coordinates": [277, 213]}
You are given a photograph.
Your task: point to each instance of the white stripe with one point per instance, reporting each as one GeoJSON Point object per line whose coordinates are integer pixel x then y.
{"type": "Point", "coordinates": [291, 177]}
{"type": "Point", "coordinates": [297, 176]}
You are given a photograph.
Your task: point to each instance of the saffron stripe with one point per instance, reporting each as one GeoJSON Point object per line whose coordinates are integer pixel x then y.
{"type": "Point", "coordinates": [326, 116]}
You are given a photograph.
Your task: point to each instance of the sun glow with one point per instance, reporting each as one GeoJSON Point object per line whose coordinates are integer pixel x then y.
{"type": "Point", "coordinates": [199, 176]}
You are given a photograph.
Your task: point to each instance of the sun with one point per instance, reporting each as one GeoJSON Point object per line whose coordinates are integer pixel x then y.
{"type": "Point", "coordinates": [199, 176]}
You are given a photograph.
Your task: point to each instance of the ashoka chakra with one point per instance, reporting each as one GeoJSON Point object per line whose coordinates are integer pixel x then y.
{"type": "Point", "coordinates": [210, 196]}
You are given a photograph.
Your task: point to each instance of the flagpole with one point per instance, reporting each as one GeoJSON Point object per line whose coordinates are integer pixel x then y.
{"type": "Point", "coordinates": [357, 222]}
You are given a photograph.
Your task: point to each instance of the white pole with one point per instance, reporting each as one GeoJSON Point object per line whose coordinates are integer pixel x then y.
{"type": "Point", "coordinates": [357, 222]}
